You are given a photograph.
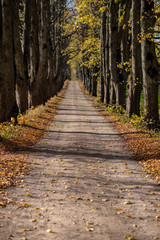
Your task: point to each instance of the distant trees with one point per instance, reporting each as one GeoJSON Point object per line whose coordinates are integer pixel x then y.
{"type": "Point", "coordinates": [128, 54]}
{"type": "Point", "coordinates": [32, 68]}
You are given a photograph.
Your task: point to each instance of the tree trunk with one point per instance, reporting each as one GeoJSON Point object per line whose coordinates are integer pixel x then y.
{"type": "Point", "coordinates": [107, 70]}
{"type": "Point", "coordinates": [113, 54]}
{"type": "Point", "coordinates": [135, 85]}
{"type": "Point", "coordinates": [51, 86]}
{"type": "Point", "coordinates": [26, 34]}
{"type": "Point", "coordinates": [1, 23]}
{"type": "Point", "coordinates": [103, 58]}
{"type": "Point", "coordinates": [21, 82]}
{"type": "Point", "coordinates": [7, 76]}
{"type": "Point", "coordinates": [149, 63]}
{"type": "Point", "coordinates": [94, 81]}
{"type": "Point", "coordinates": [38, 89]}
{"type": "Point", "coordinates": [34, 52]}
{"type": "Point", "coordinates": [125, 51]}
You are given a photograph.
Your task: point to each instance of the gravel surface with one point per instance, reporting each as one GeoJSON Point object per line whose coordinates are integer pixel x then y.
{"type": "Point", "coordinates": [83, 183]}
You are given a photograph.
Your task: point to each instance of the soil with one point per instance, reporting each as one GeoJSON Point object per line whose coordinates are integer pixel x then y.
{"type": "Point", "coordinates": [83, 183]}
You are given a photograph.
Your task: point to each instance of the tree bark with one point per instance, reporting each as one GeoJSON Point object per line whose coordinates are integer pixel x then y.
{"type": "Point", "coordinates": [34, 52]}
{"type": "Point", "coordinates": [21, 82]}
{"type": "Point", "coordinates": [113, 52]}
{"type": "Point", "coordinates": [1, 23]}
{"type": "Point", "coordinates": [149, 63]}
{"type": "Point", "coordinates": [26, 35]}
{"type": "Point", "coordinates": [125, 50]}
{"type": "Point", "coordinates": [38, 88]}
{"type": "Point", "coordinates": [135, 84]}
{"type": "Point", "coordinates": [103, 58]}
{"type": "Point", "coordinates": [7, 74]}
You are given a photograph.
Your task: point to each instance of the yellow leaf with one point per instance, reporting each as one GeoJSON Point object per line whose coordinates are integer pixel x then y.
{"type": "Point", "coordinates": [46, 195]}
{"type": "Point", "coordinates": [118, 208]}
{"type": "Point", "coordinates": [2, 204]}
{"type": "Point", "coordinates": [89, 229]}
{"type": "Point", "coordinates": [39, 214]}
{"type": "Point", "coordinates": [49, 230]}
{"type": "Point", "coordinates": [128, 215]}
{"type": "Point", "coordinates": [36, 208]}
{"type": "Point", "coordinates": [26, 204]}
{"type": "Point", "coordinates": [71, 197]}
{"type": "Point", "coordinates": [127, 202]}
{"type": "Point", "coordinates": [25, 230]}
{"type": "Point", "coordinates": [129, 237]}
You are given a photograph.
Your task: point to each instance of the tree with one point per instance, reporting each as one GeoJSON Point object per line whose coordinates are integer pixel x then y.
{"type": "Point", "coordinates": [135, 84]}
{"type": "Point", "coordinates": [150, 66]}
{"type": "Point", "coordinates": [7, 76]}
{"type": "Point", "coordinates": [20, 77]}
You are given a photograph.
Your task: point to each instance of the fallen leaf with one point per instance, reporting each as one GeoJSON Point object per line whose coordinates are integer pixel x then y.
{"type": "Point", "coordinates": [129, 237]}
{"type": "Point", "coordinates": [89, 229]}
{"type": "Point", "coordinates": [127, 202]}
{"type": "Point", "coordinates": [25, 230]}
{"type": "Point", "coordinates": [128, 215]}
{"type": "Point", "coordinates": [71, 197]}
{"type": "Point", "coordinates": [49, 230]}
{"type": "Point", "coordinates": [34, 220]}
{"type": "Point", "coordinates": [118, 208]}
{"type": "Point", "coordinates": [26, 204]}
{"type": "Point", "coordinates": [2, 204]}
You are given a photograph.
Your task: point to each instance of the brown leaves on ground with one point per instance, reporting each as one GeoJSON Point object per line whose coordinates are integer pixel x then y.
{"type": "Point", "coordinates": [13, 138]}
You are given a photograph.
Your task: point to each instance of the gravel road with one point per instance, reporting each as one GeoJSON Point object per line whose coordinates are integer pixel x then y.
{"type": "Point", "coordinates": [83, 183]}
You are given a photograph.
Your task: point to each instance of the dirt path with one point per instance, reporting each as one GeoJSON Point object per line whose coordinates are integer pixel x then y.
{"type": "Point", "coordinates": [83, 184]}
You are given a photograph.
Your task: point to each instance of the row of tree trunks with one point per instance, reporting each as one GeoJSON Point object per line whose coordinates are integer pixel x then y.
{"type": "Point", "coordinates": [30, 54]}
{"type": "Point", "coordinates": [117, 44]}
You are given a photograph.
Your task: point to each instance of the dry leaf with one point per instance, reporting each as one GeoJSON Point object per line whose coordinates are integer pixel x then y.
{"type": "Point", "coordinates": [129, 237]}
{"type": "Point", "coordinates": [71, 197]}
{"type": "Point", "coordinates": [25, 230]}
{"type": "Point", "coordinates": [127, 202]}
{"type": "Point", "coordinates": [49, 230]}
{"type": "Point", "coordinates": [2, 204]}
{"type": "Point", "coordinates": [89, 229]}
{"type": "Point", "coordinates": [128, 215]}
{"type": "Point", "coordinates": [34, 220]}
